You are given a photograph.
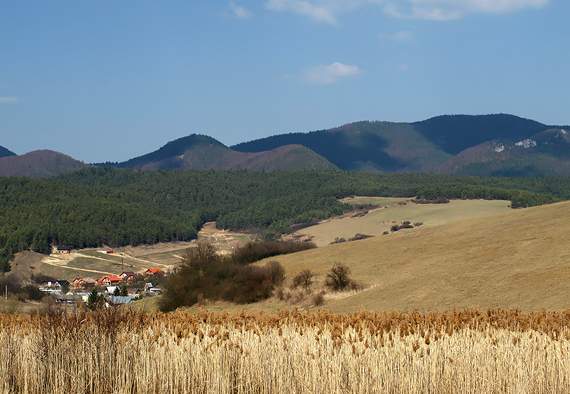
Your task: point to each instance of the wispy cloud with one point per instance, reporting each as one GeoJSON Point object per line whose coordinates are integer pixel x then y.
{"type": "Point", "coordinates": [319, 11]}
{"type": "Point", "coordinates": [329, 11]}
{"type": "Point", "coordinates": [324, 75]}
{"type": "Point", "coordinates": [402, 36]}
{"type": "Point", "coordinates": [239, 11]}
{"type": "Point", "coordinates": [442, 10]}
{"type": "Point", "coordinates": [8, 100]}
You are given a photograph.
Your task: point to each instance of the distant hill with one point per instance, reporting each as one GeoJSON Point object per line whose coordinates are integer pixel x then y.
{"type": "Point", "coordinates": [203, 152]}
{"type": "Point", "coordinates": [5, 152]}
{"type": "Point", "coordinates": [544, 154]}
{"type": "Point", "coordinates": [38, 164]}
{"type": "Point", "coordinates": [455, 144]}
{"type": "Point", "coordinates": [455, 133]}
{"type": "Point", "coordinates": [363, 146]}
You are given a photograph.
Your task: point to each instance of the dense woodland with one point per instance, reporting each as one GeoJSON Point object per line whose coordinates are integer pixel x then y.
{"type": "Point", "coordinates": [117, 207]}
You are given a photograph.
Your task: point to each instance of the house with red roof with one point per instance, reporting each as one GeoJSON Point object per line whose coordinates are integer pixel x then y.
{"type": "Point", "coordinates": [154, 272]}
{"type": "Point", "coordinates": [130, 277]}
{"type": "Point", "coordinates": [109, 280]}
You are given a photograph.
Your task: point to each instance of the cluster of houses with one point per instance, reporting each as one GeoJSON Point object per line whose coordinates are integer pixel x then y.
{"type": "Point", "coordinates": [110, 286]}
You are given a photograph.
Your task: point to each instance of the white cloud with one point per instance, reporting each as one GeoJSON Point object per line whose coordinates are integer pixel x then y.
{"type": "Point", "coordinates": [324, 75]}
{"type": "Point", "coordinates": [441, 10]}
{"type": "Point", "coordinates": [322, 12]}
{"type": "Point", "coordinates": [8, 100]}
{"type": "Point", "coordinates": [402, 36]}
{"type": "Point", "coordinates": [328, 11]}
{"type": "Point", "coordinates": [240, 11]}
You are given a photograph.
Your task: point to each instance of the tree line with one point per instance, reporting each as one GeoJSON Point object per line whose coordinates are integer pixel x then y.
{"type": "Point", "coordinates": [118, 207]}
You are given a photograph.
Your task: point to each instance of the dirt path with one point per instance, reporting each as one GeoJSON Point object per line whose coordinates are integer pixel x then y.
{"type": "Point", "coordinates": [145, 261]}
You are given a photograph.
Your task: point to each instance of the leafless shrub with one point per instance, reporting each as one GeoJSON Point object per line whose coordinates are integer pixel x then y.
{"type": "Point", "coordinates": [319, 298]}
{"type": "Point", "coordinates": [338, 277]}
{"type": "Point", "coordinates": [276, 272]}
{"type": "Point", "coordinates": [303, 278]}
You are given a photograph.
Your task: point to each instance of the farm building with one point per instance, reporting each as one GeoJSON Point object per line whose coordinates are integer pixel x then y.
{"type": "Point", "coordinates": [119, 300]}
{"type": "Point", "coordinates": [133, 292]}
{"type": "Point", "coordinates": [64, 249]}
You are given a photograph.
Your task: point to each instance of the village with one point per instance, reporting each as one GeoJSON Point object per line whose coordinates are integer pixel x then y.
{"type": "Point", "coordinates": [116, 290]}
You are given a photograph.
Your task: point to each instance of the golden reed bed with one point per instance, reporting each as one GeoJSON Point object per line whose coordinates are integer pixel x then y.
{"type": "Point", "coordinates": [468, 351]}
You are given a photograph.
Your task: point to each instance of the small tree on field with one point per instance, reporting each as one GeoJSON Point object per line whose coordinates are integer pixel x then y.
{"type": "Point", "coordinates": [200, 257]}
{"type": "Point", "coordinates": [338, 277]}
{"type": "Point", "coordinates": [303, 278]}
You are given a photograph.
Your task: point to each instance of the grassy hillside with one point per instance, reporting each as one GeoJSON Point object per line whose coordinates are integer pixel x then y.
{"type": "Point", "coordinates": [515, 259]}
{"type": "Point", "coordinates": [377, 221]}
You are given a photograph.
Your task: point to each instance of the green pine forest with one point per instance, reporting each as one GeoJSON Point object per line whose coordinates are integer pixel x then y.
{"type": "Point", "coordinates": [118, 207]}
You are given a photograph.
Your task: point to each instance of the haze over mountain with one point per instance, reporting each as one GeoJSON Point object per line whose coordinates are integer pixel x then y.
{"type": "Point", "coordinates": [39, 163]}
{"type": "Point", "coordinates": [203, 152]}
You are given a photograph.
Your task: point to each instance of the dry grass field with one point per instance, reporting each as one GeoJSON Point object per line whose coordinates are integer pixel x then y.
{"type": "Point", "coordinates": [515, 259]}
{"type": "Point", "coordinates": [469, 351]}
{"type": "Point", "coordinates": [378, 221]}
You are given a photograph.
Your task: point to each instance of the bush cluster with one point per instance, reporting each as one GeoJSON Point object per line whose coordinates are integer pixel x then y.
{"type": "Point", "coordinates": [437, 200]}
{"type": "Point", "coordinates": [23, 293]}
{"type": "Point", "coordinates": [206, 275]}
{"type": "Point", "coordinates": [303, 278]}
{"type": "Point", "coordinates": [405, 224]}
{"type": "Point", "coordinates": [255, 251]}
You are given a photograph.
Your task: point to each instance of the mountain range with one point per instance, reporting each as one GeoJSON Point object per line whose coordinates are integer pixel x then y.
{"type": "Point", "coordinates": [203, 152]}
{"type": "Point", "coordinates": [485, 145]}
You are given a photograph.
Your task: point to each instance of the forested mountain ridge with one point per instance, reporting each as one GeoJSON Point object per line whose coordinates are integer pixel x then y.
{"type": "Point", "coordinates": [201, 152]}
{"type": "Point", "coordinates": [455, 133]}
{"type": "Point", "coordinates": [97, 206]}
{"type": "Point", "coordinates": [433, 145]}
{"type": "Point", "coordinates": [483, 145]}
{"type": "Point", "coordinates": [5, 152]}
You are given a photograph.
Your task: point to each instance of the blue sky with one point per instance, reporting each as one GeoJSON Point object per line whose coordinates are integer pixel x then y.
{"type": "Point", "coordinates": [108, 80]}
